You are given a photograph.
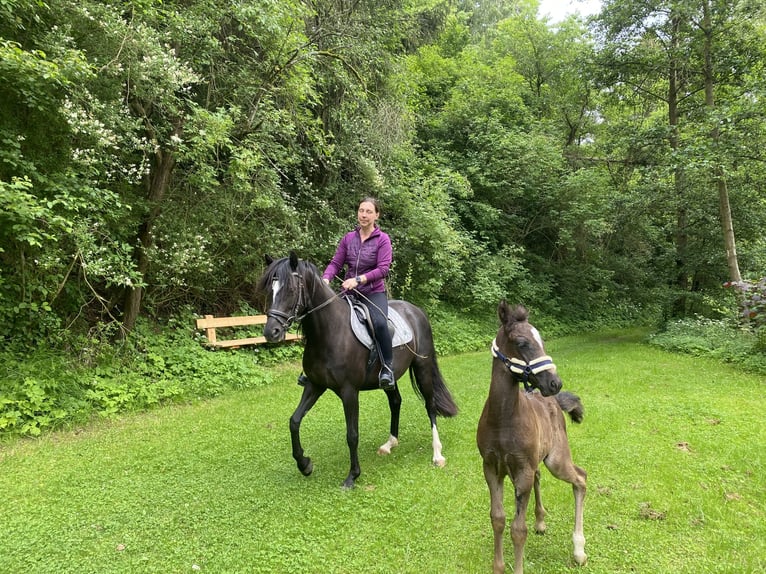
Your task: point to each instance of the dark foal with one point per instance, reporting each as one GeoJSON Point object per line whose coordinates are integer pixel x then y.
{"type": "Point", "coordinates": [518, 430]}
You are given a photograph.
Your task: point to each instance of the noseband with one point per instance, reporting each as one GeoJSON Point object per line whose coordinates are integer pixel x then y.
{"type": "Point", "coordinates": [523, 369]}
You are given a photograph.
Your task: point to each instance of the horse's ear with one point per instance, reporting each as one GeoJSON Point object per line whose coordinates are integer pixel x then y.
{"type": "Point", "coordinates": [293, 261]}
{"type": "Point", "coordinates": [269, 259]}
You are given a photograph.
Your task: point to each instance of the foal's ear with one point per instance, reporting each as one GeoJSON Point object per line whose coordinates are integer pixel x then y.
{"type": "Point", "coordinates": [503, 312]}
{"type": "Point", "coordinates": [293, 261]}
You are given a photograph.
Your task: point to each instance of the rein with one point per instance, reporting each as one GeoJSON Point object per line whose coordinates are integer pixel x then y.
{"type": "Point", "coordinates": [523, 369]}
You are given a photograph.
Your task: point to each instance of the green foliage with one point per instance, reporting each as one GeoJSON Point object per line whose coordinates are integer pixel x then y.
{"type": "Point", "coordinates": [46, 389]}
{"type": "Point", "coordinates": [153, 153]}
{"type": "Point", "coordinates": [722, 340]}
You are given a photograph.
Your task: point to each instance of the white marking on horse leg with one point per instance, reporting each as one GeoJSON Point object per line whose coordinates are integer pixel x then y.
{"type": "Point", "coordinates": [579, 549]}
{"type": "Point", "coordinates": [438, 459]}
{"type": "Point", "coordinates": [390, 443]}
{"type": "Point", "coordinates": [578, 536]}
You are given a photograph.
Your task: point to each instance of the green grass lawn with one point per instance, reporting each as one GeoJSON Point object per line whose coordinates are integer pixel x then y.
{"type": "Point", "coordinates": [675, 448]}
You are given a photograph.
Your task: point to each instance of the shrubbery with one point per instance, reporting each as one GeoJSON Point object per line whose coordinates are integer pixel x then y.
{"type": "Point", "coordinates": [723, 340]}
{"type": "Point", "coordinates": [46, 389]}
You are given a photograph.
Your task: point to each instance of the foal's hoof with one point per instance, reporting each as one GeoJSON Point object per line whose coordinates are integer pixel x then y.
{"type": "Point", "coordinates": [581, 559]}
{"type": "Point", "coordinates": [385, 449]}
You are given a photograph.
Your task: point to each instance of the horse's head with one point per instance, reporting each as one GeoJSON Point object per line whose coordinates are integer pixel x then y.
{"type": "Point", "coordinates": [284, 286]}
{"type": "Point", "coordinates": [519, 346]}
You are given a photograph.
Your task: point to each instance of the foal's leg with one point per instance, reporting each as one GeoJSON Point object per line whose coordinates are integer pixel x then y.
{"type": "Point", "coordinates": [523, 483]}
{"type": "Point", "coordinates": [394, 405]}
{"type": "Point", "coordinates": [559, 462]}
{"type": "Point", "coordinates": [496, 513]}
{"type": "Point", "coordinates": [578, 536]}
{"type": "Point", "coordinates": [350, 398]}
{"type": "Point", "coordinates": [310, 396]}
{"type": "Point", "coordinates": [539, 509]}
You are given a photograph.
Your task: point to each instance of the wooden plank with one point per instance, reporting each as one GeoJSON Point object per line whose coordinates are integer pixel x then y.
{"type": "Point", "coordinates": [251, 341]}
{"type": "Point", "coordinates": [210, 322]}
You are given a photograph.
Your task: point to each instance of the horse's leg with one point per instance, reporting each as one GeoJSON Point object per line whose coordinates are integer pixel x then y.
{"type": "Point", "coordinates": [578, 536]}
{"type": "Point", "coordinates": [559, 462]}
{"type": "Point", "coordinates": [423, 376]}
{"type": "Point", "coordinates": [394, 405]}
{"type": "Point", "coordinates": [436, 444]}
{"type": "Point", "coordinates": [539, 508]}
{"type": "Point", "coordinates": [350, 398]}
{"type": "Point", "coordinates": [496, 513]}
{"type": "Point", "coordinates": [310, 396]}
{"type": "Point", "coordinates": [522, 483]}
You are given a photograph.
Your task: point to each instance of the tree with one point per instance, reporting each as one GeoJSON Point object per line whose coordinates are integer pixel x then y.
{"type": "Point", "coordinates": [665, 52]}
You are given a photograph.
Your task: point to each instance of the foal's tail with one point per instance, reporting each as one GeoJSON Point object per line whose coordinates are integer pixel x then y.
{"type": "Point", "coordinates": [443, 402]}
{"type": "Point", "coordinates": [571, 404]}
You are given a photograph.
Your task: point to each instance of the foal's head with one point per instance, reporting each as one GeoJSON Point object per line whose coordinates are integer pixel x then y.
{"type": "Point", "coordinates": [523, 351]}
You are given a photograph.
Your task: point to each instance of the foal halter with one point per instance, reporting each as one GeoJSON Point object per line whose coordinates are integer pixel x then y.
{"type": "Point", "coordinates": [523, 369]}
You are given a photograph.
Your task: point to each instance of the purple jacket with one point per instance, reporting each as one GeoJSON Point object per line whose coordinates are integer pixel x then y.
{"type": "Point", "coordinates": [371, 259]}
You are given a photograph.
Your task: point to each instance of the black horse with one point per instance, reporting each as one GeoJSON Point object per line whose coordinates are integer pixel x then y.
{"type": "Point", "coordinates": [335, 359]}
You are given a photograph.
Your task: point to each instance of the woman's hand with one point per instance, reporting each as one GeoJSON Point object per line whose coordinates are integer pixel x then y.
{"type": "Point", "coordinates": [352, 283]}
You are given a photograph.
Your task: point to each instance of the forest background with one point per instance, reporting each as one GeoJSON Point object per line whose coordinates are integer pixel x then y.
{"type": "Point", "coordinates": [603, 172]}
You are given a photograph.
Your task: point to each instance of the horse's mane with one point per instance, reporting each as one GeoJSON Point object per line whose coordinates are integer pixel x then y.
{"type": "Point", "coordinates": [282, 270]}
{"type": "Point", "coordinates": [519, 313]}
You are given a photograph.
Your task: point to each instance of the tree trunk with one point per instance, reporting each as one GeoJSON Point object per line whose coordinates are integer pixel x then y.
{"type": "Point", "coordinates": [681, 237]}
{"type": "Point", "coordinates": [157, 185]}
{"type": "Point", "coordinates": [718, 172]}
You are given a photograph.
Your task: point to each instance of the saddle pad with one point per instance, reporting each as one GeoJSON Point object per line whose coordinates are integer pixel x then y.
{"type": "Point", "coordinates": [402, 331]}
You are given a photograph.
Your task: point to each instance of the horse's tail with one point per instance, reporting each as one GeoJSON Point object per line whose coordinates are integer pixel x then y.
{"type": "Point", "coordinates": [571, 404]}
{"type": "Point", "coordinates": [443, 401]}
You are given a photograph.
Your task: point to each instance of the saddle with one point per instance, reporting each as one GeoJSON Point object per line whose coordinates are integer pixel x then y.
{"type": "Point", "coordinates": [361, 325]}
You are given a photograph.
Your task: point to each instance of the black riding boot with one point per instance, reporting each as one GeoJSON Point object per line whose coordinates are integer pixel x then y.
{"type": "Point", "coordinates": [386, 378]}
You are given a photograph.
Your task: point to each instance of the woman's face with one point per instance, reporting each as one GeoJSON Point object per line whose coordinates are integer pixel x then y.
{"type": "Point", "coordinates": [367, 215]}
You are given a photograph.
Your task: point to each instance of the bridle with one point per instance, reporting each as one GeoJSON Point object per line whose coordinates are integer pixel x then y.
{"type": "Point", "coordinates": [287, 319]}
{"type": "Point", "coordinates": [523, 370]}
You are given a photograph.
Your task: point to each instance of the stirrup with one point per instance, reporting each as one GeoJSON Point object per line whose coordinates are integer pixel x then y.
{"type": "Point", "coordinates": [303, 380]}
{"type": "Point", "coordinates": [386, 378]}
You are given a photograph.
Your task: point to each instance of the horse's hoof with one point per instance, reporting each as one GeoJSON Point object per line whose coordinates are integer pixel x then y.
{"type": "Point", "coordinates": [581, 559]}
{"type": "Point", "coordinates": [385, 449]}
{"type": "Point", "coordinates": [306, 469]}
{"type": "Point", "coordinates": [440, 461]}
{"type": "Point", "coordinates": [348, 484]}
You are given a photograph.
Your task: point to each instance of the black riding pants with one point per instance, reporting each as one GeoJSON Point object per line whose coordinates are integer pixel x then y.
{"type": "Point", "coordinates": [377, 303]}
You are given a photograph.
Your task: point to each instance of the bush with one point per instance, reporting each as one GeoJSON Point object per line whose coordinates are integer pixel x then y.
{"type": "Point", "coordinates": [46, 389]}
{"type": "Point", "coordinates": [718, 339]}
